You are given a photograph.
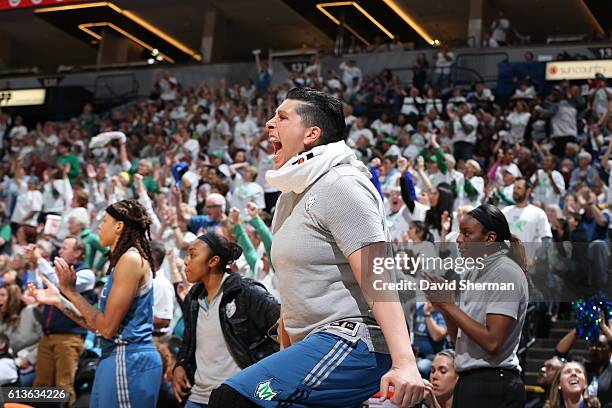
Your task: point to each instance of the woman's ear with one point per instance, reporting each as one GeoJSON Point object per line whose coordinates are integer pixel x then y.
{"type": "Point", "coordinates": [119, 227]}
{"type": "Point", "coordinates": [491, 237]}
{"type": "Point", "coordinates": [312, 137]}
{"type": "Point", "coordinates": [214, 261]}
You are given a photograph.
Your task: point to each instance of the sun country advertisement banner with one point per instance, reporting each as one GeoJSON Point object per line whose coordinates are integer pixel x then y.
{"type": "Point", "coordinates": [19, 4]}
{"type": "Point", "coordinates": [559, 70]}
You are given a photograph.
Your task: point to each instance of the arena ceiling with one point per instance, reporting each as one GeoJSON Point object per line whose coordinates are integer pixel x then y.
{"type": "Point", "coordinates": [47, 41]}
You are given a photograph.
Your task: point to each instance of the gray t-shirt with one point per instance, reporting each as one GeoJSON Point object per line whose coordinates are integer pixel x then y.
{"type": "Point", "coordinates": [498, 268]}
{"type": "Point", "coordinates": [213, 359]}
{"type": "Point", "coordinates": [313, 234]}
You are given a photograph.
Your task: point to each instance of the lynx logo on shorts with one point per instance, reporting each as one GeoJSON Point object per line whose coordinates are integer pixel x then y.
{"type": "Point", "coordinates": [264, 391]}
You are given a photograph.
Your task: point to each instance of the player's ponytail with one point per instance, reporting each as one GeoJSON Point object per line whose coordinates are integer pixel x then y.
{"type": "Point", "coordinates": [517, 252]}
{"type": "Point", "coordinates": [492, 219]}
{"type": "Point", "coordinates": [235, 251]}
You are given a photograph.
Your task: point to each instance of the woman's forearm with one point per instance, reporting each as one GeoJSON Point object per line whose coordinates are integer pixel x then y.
{"type": "Point", "coordinates": [566, 343]}
{"type": "Point", "coordinates": [73, 312]}
{"type": "Point", "coordinates": [85, 314]}
{"type": "Point", "coordinates": [451, 328]}
{"type": "Point", "coordinates": [436, 331]}
{"type": "Point", "coordinates": [264, 232]}
{"type": "Point", "coordinates": [390, 318]}
{"type": "Point", "coordinates": [479, 333]}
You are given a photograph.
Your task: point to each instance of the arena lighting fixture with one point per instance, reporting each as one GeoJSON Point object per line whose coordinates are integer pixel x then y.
{"type": "Point", "coordinates": [132, 17]}
{"type": "Point", "coordinates": [420, 30]}
{"type": "Point", "coordinates": [322, 6]}
{"type": "Point", "coordinates": [86, 27]}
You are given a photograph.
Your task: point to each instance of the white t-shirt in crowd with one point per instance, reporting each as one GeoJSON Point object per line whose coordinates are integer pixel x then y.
{"type": "Point", "coordinates": [214, 362]}
{"type": "Point", "coordinates": [382, 127]}
{"type": "Point", "coordinates": [507, 192]}
{"type": "Point", "coordinates": [217, 136]}
{"type": "Point", "coordinates": [264, 164]}
{"type": "Point", "coordinates": [544, 191]}
{"type": "Point", "coordinates": [411, 151]}
{"type": "Point", "coordinates": [518, 123]}
{"type": "Point", "coordinates": [244, 133]}
{"type": "Point", "coordinates": [193, 179]}
{"type": "Point", "coordinates": [529, 224]}
{"type": "Point", "coordinates": [433, 103]}
{"type": "Point", "coordinates": [355, 134]}
{"type": "Point", "coordinates": [193, 147]}
{"type": "Point", "coordinates": [412, 105]}
{"type": "Point", "coordinates": [349, 120]}
{"type": "Point", "coordinates": [459, 135]}
{"type": "Point", "coordinates": [348, 73]}
{"type": "Point", "coordinates": [163, 298]}
{"type": "Point", "coordinates": [245, 192]}
{"type": "Point", "coordinates": [600, 100]}
{"type": "Point", "coordinates": [27, 201]}
{"type": "Point", "coordinates": [18, 132]}
{"type": "Point", "coordinates": [500, 28]}
{"type": "Point", "coordinates": [60, 202]}
{"type": "Point", "coordinates": [442, 64]}
{"type": "Point", "coordinates": [527, 93]}
{"type": "Point", "coordinates": [564, 121]}
{"type": "Point", "coordinates": [168, 88]}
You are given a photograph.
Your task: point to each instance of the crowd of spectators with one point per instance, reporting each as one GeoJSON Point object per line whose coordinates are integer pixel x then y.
{"type": "Point", "coordinates": [196, 159]}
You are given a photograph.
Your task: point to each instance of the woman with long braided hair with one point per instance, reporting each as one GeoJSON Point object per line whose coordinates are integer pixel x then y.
{"type": "Point", "coordinates": [130, 369]}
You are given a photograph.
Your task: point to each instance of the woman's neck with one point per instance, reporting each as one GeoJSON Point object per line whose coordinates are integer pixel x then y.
{"type": "Point", "coordinates": [448, 403]}
{"type": "Point", "coordinates": [113, 246]}
{"type": "Point", "coordinates": [573, 401]}
{"type": "Point", "coordinates": [212, 283]}
{"type": "Point", "coordinates": [491, 249]}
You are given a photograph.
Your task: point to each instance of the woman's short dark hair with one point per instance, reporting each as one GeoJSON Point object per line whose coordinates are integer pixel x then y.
{"type": "Point", "coordinates": [321, 110]}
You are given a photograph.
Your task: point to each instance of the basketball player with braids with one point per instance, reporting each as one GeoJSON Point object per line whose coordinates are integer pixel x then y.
{"type": "Point", "coordinates": [130, 370]}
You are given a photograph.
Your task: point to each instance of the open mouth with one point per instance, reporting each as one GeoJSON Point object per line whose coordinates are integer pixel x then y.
{"type": "Point", "coordinates": [278, 146]}
{"type": "Point", "coordinates": [574, 381]}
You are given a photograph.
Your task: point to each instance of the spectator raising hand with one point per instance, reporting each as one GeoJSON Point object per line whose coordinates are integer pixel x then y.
{"type": "Point", "coordinates": [252, 210]}
{"type": "Point", "coordinates": [234, 216]}
{"type": "Point", "coordinates": [605, 327]}
{"type": "Point", "coordinates": [404, 165]}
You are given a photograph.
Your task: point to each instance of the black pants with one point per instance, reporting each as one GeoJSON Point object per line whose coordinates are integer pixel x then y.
{"type": "Point", "coordinates": [489, 387]}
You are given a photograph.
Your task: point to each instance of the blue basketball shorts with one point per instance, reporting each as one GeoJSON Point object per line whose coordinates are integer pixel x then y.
{"type": "Point", "coordinates": [130, 376]}
{"type": "Point", "coordinates": [323, 370]}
